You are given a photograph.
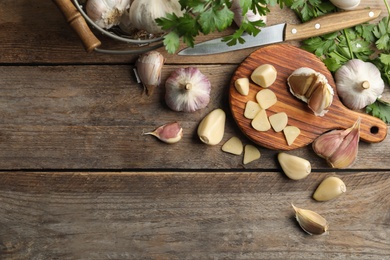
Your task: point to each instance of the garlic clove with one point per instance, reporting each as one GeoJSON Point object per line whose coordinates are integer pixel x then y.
{"type": "Point", "coordinates": [264, 75]}
{"type": "Point", "coordinates": [278, 121]}
{"type": "Point", "coordinates": [212, 127]}
{"type": "Point", "coordinates": [187, 90]}
{"type": "Point", "coordinates": [106, 13]}
{"type": "Point", "coordinates": [329, 188]}
{"type": "Point", "coordinates": [148, 69]}
{"type": "Point", "coordinates": [143, 13]}
{"type": "Point", "coordinates": [358, 84]}
{"type": "Point", "coordinates": [169, 133]}
{"type": "Point", "coordinates": [294, 167]}
{"type": "Point", "coordinates": [291, 133]}
{"type": "Point", "coordinates": [310, 221]}
{"type": "Point", "coordinates": [251, 153]}
{"type": "Point", "coordinates": [339, 147]}
{"type": "Point", "coordinates": [242, 86]}
{"type": "Point", "coordinates": [300, 81]}
{"type": "Point", "coordinates": [321, 99]}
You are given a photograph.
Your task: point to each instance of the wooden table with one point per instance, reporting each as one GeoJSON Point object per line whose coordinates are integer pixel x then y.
{"type": "Point", "coordinates": [78, 180]}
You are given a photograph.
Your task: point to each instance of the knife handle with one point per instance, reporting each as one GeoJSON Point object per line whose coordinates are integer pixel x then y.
{"type": "Point", "coordinates": [329, 23]}
{"type": "Point", "coordinates": [77, 22]}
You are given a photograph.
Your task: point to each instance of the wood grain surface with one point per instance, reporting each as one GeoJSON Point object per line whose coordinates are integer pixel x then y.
{"type": "Point", "coordinates": [78, 180]}
{"type": "Point", "coordinates": [286, 59]}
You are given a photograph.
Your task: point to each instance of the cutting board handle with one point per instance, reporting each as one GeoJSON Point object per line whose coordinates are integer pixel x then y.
{"type": "Point", "coordinates": [77, 22]}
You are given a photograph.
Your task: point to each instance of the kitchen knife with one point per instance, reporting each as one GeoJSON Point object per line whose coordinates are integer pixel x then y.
{"type": "Point", "coordinates": [288, 32]}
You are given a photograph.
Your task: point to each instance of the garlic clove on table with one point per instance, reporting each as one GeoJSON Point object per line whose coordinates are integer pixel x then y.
{"type": "Point", "coordinates": [148, 69]}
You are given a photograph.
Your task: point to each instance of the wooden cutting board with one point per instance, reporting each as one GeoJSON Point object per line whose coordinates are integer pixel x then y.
{"type": "Point", "coordinates": [287, 58]}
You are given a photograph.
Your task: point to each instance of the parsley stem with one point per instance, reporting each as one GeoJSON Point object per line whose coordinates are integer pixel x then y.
{"type": "Point", "coordinates": [348, 44]}
{"type": "Point", "coordinates": [388, 11]}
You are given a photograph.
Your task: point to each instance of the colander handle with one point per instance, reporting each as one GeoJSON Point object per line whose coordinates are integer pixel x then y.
{"type": "Point", "coordinates": [77, 22]}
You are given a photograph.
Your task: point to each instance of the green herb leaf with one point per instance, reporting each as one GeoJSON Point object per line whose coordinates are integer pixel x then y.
{"type": "Point", "coordinates": [216, 19]}
{"type": "Point", "coordinates": [380, 109]}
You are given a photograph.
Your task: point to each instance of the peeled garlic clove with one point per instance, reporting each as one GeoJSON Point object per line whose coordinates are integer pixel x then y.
{"type": "Point", "coordinates": [187, 90]}
{"type": "Point", "coordinates": [294, 167]}
{"type": "Point", "coordinates": [260, 122]}
{"type": "Point", "coordinates": [106, 13]}
{"type": "Point", "coordinates": [339, 147]}
{"type": "Point", "coordinates": [358, 84]}
{"type": "Point", "coordinates": [310, 221]}
{"type": "Point", "coordinates": [148, 69]}
{"type": "Point", "coordinates": [264, 75]}
{"type": "Point", "coordinates": [212, 127]}
{"type": "Point", "coordinates": [242, 86]}
{"type": "Point", "coordinates": [330, 188]}
{"type": "Point", "coordinates": [169, 133]}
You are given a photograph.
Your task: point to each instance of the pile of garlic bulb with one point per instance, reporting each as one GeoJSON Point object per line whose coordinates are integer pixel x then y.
{"type": "Point", "coordinates": [131, 14]}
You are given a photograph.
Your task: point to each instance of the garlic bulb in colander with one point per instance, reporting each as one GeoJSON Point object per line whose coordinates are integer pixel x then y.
{"type": "Point", "coordinates": [358, 84]}
{"type": "Point", "coordinates": [143, 13]}
{"type": "Point", "coordinates": [106, 13]}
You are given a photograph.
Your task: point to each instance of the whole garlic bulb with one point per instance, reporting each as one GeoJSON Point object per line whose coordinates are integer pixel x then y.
{"type": "Point", "coordinates": [346, 4]}
{"type": "Point", "coordinates": [187, 89]}
{"type": "Point", "coordinates": [106, 13]}
{"type": "Point", "coordinates": [144, 12]}
{"type": "Point", "coordinates": [358, 84]}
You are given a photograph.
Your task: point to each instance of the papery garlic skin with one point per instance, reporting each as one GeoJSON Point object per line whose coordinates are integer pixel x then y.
{"type": "Point", "coordinates": [311, 87]}
{"type": "Point", "coordinates": [187, 90]}
{"type": "Point", "coordinates": [143, 13]}
{"type": "Point", "coordinates": [311, 222]}
{"type": "Point", "coordinates": [148, 69]}
{"type": "Point", "coordinates": [339, 147]}
{"type": "Point", "coordinates": [106, 13]}
{"type": "Point", "coordinates": [358, 84]}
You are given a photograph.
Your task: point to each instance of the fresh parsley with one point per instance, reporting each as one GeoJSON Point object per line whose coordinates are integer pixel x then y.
{"type": "Point", "coordinates": [208, 16]}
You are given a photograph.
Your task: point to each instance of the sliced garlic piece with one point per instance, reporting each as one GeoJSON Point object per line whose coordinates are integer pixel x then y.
{"type": "Point", "coordinates": [242, 86]}
{"type": "Point", "coordinates": [291, 133]}
{"type": "Point", "coordinates": [264, 75]}
{"type": "Point", "coordinates": [260, 122]}
{"type": "Point", "coordinates": [233, 146]}
{"type": "Point", "coordinates": [330, 188]}
{"type": "Point", "coordinates": [251, 153]}
{"type": "Point", "coordinates": [251, 109]}
{"type": "Point", "coordinates": [278, 121]}
{"type": "Point", "coordinates": [266, 98]}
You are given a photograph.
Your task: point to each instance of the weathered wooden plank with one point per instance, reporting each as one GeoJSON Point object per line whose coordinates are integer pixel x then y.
{"type": "Point", "coordinates": [93, 117]}
{"type": "Point", "coordinates": [145, 215]}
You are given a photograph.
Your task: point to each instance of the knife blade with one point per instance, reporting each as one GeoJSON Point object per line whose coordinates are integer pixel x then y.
{"type": "Point", "coordinates": [288, 32]}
